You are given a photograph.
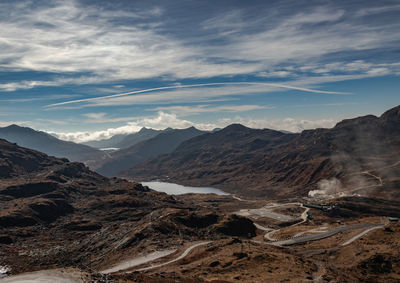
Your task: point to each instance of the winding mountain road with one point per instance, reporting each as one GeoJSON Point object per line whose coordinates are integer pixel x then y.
{"type": "Point", "coordinates": [184, 254]}
{"type": "Point", "coordinates": [138, 261]}
{"type": "Point", "coordinates": [45, 276]}
{"type": "Point", "coordinates": [323, 235]}
{"type": "Point", "coordinates": [360, 235]}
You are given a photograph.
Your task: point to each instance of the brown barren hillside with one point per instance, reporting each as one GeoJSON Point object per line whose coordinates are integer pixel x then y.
{"type": "Point", "coordinates": [270, 163]}
{"type": "Point", "coordinates": [64, 221]}
{"type": "Point", "coordinates": [56, 213]}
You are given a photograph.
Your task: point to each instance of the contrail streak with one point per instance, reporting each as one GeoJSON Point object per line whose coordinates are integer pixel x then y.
{"type": "Point", "coordinates": [193, 86]}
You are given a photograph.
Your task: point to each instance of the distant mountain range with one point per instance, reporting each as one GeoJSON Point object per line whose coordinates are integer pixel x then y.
{"type": "Point", "coordinates": [363, 152]}
{"type": "Point", "coordinates": [272, 163]}
{"type": "Point", "coordinates": [127, 140]}
{"type": "Point", "coordinates": [133, 148]}
{"type": "Point", "coordinates": [41, 141]}
{"type": "Point", "coordinates": [164, 142]}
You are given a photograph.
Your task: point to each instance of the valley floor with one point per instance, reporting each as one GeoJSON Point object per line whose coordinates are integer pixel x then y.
{"type": "Point", "coordinates": [293, 244]}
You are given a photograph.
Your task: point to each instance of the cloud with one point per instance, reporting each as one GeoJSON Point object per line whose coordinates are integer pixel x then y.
{"type": "Point", "coordinates": [51, 121]}
{"type": "Point", "coordinates": [39, 98]}
{"type": "Point", "coordinates": [275, 74]}
{"type": "Point", "coordinates": [95, 116]}
{"type": "Point", "coordinates": [198, 109]}
{"type": "Point", "coordinates": [377, 10]}
{"type": "Point", "coordinates": [287, 124]}
{"type": "Point", "coordinates": [357, 67]}
{"type": "Point", "coordinates": [8, 123]}
{"type": "Point", "coordinates": [303, 37]}
{"type": "Point", "coordinates": [72, 38]}
{"type": "Point", "coordinates": [163, 120]}
{"type": "Point", "coordinates": [82, 136]}
{"type": "Point", "coordinates": [192, 93]}
{"type": "Point", "coordinates": [68, 39]}
{"type": "Point", "coordinates": [160, 121]}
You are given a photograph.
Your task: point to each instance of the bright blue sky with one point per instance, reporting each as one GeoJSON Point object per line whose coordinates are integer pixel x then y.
{"type": "Point", "coordinates": [90, 69]}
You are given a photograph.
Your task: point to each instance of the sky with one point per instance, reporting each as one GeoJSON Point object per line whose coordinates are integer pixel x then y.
{"type": "Point", "coordinates": [85, 70]}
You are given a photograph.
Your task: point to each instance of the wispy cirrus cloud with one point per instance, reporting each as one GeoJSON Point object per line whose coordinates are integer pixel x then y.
{"type": "Point", "coordinates": [69, 37]}
{"type": "Point", "coordinates": [65, 37]}
{"type": "Point", "coordinates": [188, 93]}
{"type": "Point", "coordinates": [181, 110]}
{"type": "Point", "coordinates": [218, 55]}
{"type": "Point", "coordinates": [377, 10]}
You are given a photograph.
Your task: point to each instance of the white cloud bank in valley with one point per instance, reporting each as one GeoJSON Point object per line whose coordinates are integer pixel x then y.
{"type": "Point", "coordinates": [164, 120]}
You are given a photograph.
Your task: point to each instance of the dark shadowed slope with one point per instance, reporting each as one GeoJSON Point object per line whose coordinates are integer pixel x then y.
{"type": "Point", "coordinates": [163, 143]}
{"type": "Point", "coordinates": [48, 144]}
{"type": "Point", "coordinates": [266, 162]}
{"type": "Point", "coordinates": [15, 160]}
{"type": "Point", "coordinates": [142, 135]}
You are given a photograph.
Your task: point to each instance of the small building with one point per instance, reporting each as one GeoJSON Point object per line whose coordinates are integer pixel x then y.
{"type": "Point", "coordinates": [393, 219]}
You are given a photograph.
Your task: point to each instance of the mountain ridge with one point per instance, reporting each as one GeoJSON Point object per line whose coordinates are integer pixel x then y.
{"type": "Point", "coordinates": [164, 142]}
{"type": "Point", "coordinates": [46, 143]}
{"type": "Point", "coordinates": [267, 162]}
{"type": "Point", "coordinates": [122, 141]}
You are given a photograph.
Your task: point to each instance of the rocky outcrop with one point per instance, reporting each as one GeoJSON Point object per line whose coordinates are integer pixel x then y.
{"type": "Point", "coordinates": [234, 225]}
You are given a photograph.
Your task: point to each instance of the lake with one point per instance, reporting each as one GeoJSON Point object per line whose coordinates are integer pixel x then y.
{"type": "Point", "coordinates": [175, 189]}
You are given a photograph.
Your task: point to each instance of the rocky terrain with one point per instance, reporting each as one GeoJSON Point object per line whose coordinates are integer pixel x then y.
{"type": "Point", "coordinates": [55, 213]}
{"type": "Point", "coordinates": [61, 221]}
{"type": "Point", "coordinates": [360, 153]}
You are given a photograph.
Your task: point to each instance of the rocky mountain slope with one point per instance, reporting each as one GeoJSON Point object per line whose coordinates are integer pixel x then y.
{"type": "Point", "coordinates": [357, 152]}
{"type": "Point", "coordinates": [163, 143]}
{"type": "Point", "coordinates": [49, 144]}
{"type": "Point", "coordinates": [16, 161]}
{"type": "Point", "coordinates": [59, 213]}
{"type": "Point", "coordinates": [69, 222]}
